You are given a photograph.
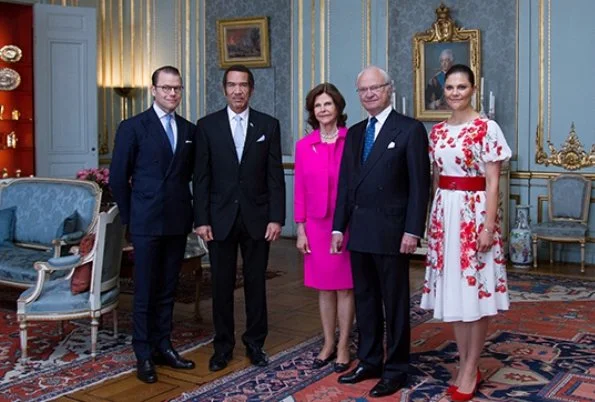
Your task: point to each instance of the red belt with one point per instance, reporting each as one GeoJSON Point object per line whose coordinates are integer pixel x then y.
{"type": "Point", "coordinates": [477, 183]}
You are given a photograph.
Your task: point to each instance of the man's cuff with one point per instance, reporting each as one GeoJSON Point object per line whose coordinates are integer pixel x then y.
{"type": "Point", "coordinates": [337, 232]}
{"type": "Point", "coordinates": [412, 235]}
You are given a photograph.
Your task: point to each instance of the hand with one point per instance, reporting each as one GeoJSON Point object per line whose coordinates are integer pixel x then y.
{"type": "Point", "coordinates": [408, 244]}
{"type": "Point", "coordinates": [273, 231]}
{"type": "Point", "coordinates": [204, 232]}
{"type": "Point", "coordinates": [485, 240]}
{"type": "Point", "coordinates": [337, 243]}
{"type": "Point", "coordinates": [302, 244]}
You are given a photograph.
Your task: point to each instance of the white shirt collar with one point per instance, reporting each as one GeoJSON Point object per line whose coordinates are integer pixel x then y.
{"type": "Point", "coordinates": [244, 115]}
{"type": "Point", "coordinates": [160, 112]}
{"type": "Point", "coordinates": [382, 116]}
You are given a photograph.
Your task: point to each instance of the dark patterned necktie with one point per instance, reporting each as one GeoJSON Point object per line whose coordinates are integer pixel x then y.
{"type": "Point", "coordinates": [369, 139]}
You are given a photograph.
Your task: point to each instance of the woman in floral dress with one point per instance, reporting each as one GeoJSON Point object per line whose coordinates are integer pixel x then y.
{"type": "Point", "coordinates": [465, 280]}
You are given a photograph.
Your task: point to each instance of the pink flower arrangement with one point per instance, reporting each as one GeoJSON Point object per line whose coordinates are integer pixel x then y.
{"type": "Point", "coordinates": [99, 176]}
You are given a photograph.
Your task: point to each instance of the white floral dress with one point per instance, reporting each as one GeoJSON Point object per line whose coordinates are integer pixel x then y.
{"type": "Point", "coordinates": [462, 284]}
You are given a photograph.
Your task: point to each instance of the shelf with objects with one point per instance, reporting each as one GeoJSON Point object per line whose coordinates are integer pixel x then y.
{"type": "Point", "coordinates": [17, 128]}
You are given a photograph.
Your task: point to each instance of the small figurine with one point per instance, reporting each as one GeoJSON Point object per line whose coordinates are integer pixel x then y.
{"type": "Point", "coordinates": [15, 114]}
{"type": "Point", "coordinates": [17, 173]}
{"type": "Point", "coordinates": [4, 173]}
{"type": "Point", "coordinates": [1, 112]}
{"type": "Point", "coordinates": [11, 140]}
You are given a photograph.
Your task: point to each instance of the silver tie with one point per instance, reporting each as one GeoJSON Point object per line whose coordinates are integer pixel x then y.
{"type": "Point", "coordinates": [239, 137]}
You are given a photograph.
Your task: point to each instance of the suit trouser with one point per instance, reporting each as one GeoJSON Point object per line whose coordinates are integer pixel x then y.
{"type": "Point", "coordinates": [223, 255]}
{"type": "Point", "coordinates": [157, 264]}
{"type": "Point", "coordinates": [381, 282]}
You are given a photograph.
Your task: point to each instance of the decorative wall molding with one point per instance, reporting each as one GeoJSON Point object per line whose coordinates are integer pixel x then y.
{"type": "Point", "coordinates": [572, 155]}
{"type": "Point", "coordinates": [543, 175]}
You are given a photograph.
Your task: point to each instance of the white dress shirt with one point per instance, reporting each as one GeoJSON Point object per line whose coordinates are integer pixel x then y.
{"type": "Point", "coordinates": [161, 114]}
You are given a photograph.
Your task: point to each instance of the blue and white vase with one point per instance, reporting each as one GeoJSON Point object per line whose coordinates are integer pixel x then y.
{"type": "Point", "coordinates": [520, 241]}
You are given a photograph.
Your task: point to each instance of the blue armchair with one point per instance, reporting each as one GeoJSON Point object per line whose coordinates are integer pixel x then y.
{"type": "Point", "coordinates": [52, 300]}
{"type": "Point", "coordinates": [569, 198]}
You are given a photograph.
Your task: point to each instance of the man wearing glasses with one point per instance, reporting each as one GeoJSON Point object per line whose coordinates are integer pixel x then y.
{"type": "Point", "coordinates": [384, 186]}
{"type": "Point", "coordinates": [239, 201]}
{"type": "Point", "coordinates": [150, 173]}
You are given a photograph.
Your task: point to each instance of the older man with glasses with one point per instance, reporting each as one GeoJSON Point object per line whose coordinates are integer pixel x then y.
{"type": "Point", "coordinates": [384, 186]}
{"type": "Point", "coordinates": [150, 174]}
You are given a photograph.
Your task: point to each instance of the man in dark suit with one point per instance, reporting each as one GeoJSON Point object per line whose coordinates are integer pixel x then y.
{"type": "Point", "coordinates": [150, 178]}
{"type": "Point", "coordinates": [383, 193]}
{"type": "Point", "coordinates": [239, 200]}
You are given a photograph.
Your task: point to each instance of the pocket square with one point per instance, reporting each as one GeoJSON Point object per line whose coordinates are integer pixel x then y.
{"type": "Point", "coordinates": [261, 139]}
{"type": "Point", "coordinates": [188, 142]}
{"type": "Point", "coordinates": [391, 145]}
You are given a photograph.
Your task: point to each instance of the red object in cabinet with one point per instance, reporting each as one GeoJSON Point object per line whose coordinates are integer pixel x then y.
{"type": "Point", "coordinates": [17, 118]}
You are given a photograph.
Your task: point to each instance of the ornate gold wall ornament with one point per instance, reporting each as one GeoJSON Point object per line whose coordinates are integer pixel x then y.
{"type": "Point", "coordinates": [572, 156]}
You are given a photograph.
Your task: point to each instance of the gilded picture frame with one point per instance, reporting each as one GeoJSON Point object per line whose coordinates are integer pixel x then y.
{"type": "Point", "coordinates": [434, 51]}
{"type": "Point", "coordinates": [244, 41]}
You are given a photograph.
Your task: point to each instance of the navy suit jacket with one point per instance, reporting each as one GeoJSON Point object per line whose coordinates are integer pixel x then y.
{"type": "Point", "coordinates": [149, 182]}
{"type": "Point", "coordinates": [223, 185]}
{"type": "Point", "coordinates": [388, 195]}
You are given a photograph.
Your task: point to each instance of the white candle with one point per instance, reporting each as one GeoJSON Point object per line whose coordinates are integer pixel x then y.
{"type": "Point", "coordinates": [404, 105]}
{"type": "Point", "coordinates": [492, 108]}
{"type": "Point", "coordinates": [393, 100]}
{"type": "Point", "coordinates": [481, 88]}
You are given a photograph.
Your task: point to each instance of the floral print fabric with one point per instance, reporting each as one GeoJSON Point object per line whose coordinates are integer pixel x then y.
{"type": "Point", "coordinates": [462, 284]}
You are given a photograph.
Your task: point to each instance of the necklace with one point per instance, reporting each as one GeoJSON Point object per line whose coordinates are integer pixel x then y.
{"type": "Point", "coordinates": [329, 136]}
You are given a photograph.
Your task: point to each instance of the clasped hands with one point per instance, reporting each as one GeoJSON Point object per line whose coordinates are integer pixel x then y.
{"type": "Point", "coordinates": [273, 232]}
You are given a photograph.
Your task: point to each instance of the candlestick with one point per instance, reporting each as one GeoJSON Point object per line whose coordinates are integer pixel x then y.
{"type": "Point", "coordinates": [492, 107]}
{"type": "Point", "coordinates": [404, 105]}
{"type": "Point", "coordinates": [481, 87]}
{"type": "Point", "coordinates": [393, 100]}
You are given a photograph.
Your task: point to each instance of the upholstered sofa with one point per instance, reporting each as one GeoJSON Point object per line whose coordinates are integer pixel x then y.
{"type": "Point", "coordinates": [39, 219]}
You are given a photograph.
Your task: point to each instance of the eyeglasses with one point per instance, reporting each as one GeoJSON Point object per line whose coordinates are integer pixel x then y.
{"type": "Point", "coordinates": [373, 88]}
{"type": "Point", "coordinates": [167, 89]}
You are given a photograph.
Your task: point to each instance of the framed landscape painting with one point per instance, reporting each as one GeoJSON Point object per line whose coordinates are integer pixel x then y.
{"type": "Point", "coordinates": [244, 41]}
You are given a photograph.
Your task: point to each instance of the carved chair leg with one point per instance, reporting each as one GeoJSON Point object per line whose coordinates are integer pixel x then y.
{"type": "Point", "coordinates": [582, 257]}
{"type": "Point", "coordinates": [115, 318]}
{"type": "Point", "coordinates": [23, 335]}
{"type": "Point", "coordinates": [551, 253]}
{"type": "Point", "coordinates": [94, 327]}
{"type": "Point", "coordinates": [534, 252]}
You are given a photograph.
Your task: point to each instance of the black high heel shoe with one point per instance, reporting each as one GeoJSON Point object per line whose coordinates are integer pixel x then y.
{"type": "Point", "coordinates": [318, 363]}
{"type": "Point", "coordinates": [341, 367]}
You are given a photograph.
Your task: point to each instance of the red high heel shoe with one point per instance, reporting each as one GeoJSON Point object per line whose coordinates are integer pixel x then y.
{"type": "Point", "coordinates": [450, 389]}
{"type": "Point", "coordinates": [462, 397]}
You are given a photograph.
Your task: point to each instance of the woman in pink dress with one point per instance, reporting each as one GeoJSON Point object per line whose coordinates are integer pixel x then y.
{"type": "Point", "coordinates": [317, 161]}
{"type": "Point", "coordinates": [465, 279]}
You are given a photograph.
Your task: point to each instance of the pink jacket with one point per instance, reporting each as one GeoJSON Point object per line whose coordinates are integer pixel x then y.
{"type": "Point", "coordinates": [312, 175]}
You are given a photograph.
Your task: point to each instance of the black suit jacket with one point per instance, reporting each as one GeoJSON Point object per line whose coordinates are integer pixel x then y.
{"type": "Point", "coordinates": [151, 184]}
{"type": "Point", "coordinates": [388, 195]}
{"type": "Point", "coordinates": [223, 185]}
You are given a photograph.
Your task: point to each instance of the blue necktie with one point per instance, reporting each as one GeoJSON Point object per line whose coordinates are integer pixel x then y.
{"type": "Point", "coordinates": [369, 139]}
{"type": "Point", "coordinates": [170, 131]}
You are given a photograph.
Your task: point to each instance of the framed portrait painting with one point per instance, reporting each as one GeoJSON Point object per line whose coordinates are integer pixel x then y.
{"type": "Point", "coordinates": [244, 41]}
{"type": "Point", "coordinates": [434, 52]}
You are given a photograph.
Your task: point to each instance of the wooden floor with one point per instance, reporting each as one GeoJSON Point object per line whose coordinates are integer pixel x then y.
{"type": "Point", "coordinates": [293, 318]}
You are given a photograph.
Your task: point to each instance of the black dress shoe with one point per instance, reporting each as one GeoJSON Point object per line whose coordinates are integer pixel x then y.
{"type": "Point", "coordinates": [319, 363]}
{"type": "Point", "coordinates": [257, 356]}
{"type": "Point", "coordinates": [219, 361]}
{"type": "Point", "coordinates": [145, 371]}
{"type": "Point", "coordinates": [341, 367]}
{"type": "Point", "coordinates": [360, 373]}
{"type": "Point", "coordinates": [170, 357]}
{"type": "Point", "coordinates": [388, 386]}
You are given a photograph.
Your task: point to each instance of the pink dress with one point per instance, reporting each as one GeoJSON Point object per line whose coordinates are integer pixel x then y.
{"type": "Point", "coordinates": [462, 284]}
{"type": "Point", "coordinates": [316, 178]}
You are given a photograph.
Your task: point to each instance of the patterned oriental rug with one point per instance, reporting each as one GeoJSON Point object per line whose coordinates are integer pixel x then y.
{"type": "Point", "coordinates": [543, 349]}
{"type": "Point", "coordinates": [60, 365]}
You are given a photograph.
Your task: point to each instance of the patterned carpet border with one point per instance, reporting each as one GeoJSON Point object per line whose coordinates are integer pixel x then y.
{"type": "Point", "coordinates": [63, 365]}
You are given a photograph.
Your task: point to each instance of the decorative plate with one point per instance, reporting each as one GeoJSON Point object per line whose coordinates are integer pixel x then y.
{"type": "Point", "coordinates": [10, 53]}
{"type": "Point", "coordinates": [9, 79]}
